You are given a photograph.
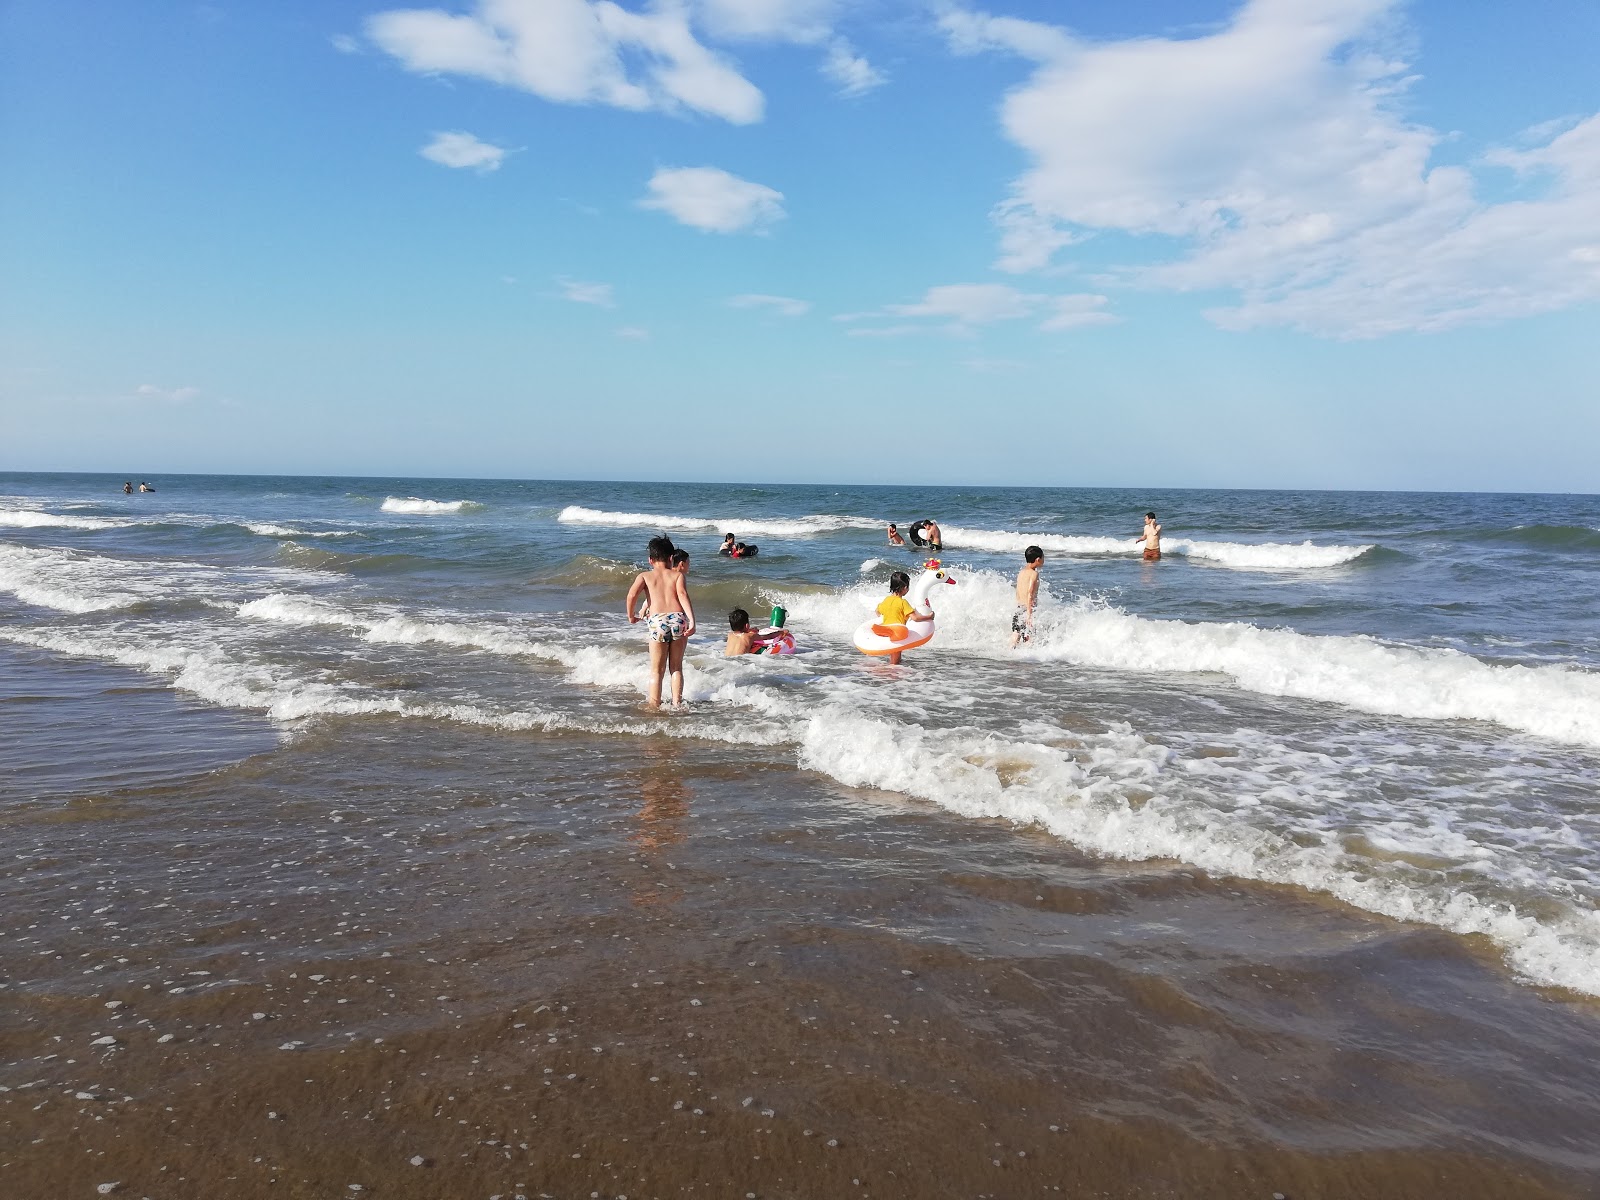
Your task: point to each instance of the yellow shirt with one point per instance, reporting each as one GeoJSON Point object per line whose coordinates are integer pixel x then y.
{"type": "Point", "coordinates": [895, 610]}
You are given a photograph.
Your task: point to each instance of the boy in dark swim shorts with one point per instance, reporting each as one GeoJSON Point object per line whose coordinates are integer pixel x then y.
{"type": "Point", "coordinates": [1027, 596]}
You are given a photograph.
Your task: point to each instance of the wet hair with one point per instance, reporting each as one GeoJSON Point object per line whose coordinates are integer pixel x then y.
{"type": "Point", "coordinates": [661, 548]}
{"type": "Point", "coordinates": [727, 537]}
{"type": "Point", "coordinates": [738, 620]}
{"type": "Point", "coordinates": [738, 545]}
{"type": "Point", "coordinates": [1032, 554]}
{"type": "Point", "coordinates": [679, 557]}
{"type": "Point", "coordinates": [891, 525]}
{"type": "Point", "coordinates": [1149, 516]}
{"type": "Point", "coordinates": [899, 582]}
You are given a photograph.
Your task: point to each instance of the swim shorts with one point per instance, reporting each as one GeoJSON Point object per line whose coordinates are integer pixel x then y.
{"type": "Point", "coordinates": [1151, 555]}
{"type": "Point", "coordinates": [1019, 624]}
{"type": "Point", "coordinates": [666, 627]}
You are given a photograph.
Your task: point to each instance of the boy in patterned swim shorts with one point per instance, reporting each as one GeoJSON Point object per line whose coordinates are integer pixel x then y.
{"type": "Point", "coordinates": [671, 620]}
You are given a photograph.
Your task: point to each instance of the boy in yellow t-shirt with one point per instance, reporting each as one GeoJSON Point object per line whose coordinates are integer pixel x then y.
{"type": "Point", "coordinates": [895, 609]}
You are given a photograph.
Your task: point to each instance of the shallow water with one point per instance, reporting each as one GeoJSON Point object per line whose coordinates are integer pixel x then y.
{"type": "Point", "coordinates": [1267, 867]}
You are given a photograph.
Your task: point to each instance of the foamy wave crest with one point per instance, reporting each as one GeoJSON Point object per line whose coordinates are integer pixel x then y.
{"type": "Point", "coordinates": [61, 580]}
{"type": "Point", "coordinates": [1557, 702]}
{"type": "Point", "coordinates": [1088, 803]}
{"type": "Point", "coordinates": [575, 514]}
{"type": "Point", "coordinates": [267, 529]}
{"type": "Point", "coordinates": [872, 564]}
{"type": "Point", "coordinates": [1265, 556]}
{"type": "Point", "coordinates": [27, 518]}
{"type": "Point", "coordinates": [416, 506]}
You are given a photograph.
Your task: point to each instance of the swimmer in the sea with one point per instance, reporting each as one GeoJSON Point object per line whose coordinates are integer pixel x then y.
{"type": "Point", "coordinates": [1027, 596]}
{"type": "Point", "coordinates": [895, 537]}
{"type": "Point", "coordinates": [1151, 537]}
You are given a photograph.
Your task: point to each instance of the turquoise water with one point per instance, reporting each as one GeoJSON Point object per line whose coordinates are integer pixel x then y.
{"type": "Point", "coordinates": [1392, 699]}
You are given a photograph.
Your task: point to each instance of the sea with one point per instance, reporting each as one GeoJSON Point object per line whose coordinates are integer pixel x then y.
{"type": "Point", "coordinates": [1270, 866]}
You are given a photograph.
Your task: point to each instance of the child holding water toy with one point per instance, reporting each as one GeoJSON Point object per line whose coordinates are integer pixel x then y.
{"type": "Point", "coordinates": [895, 609]}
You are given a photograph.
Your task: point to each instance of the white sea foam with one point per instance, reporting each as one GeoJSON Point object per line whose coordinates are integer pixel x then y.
{"type": "Point", "coordinates": [575, 514]}
{"type": "Point", "coordinates": [1557, 702]}
{"type": "Point", "coordinates": [872, 564]}
{"type": "Point", "coordinates": [268, 529]}
{"type": "Point", "coordinates": [25, 518]}
{"type": "Point", "coordinates": [1082, 796]}
{"type": "Point", "coordinates": [62, 580]}
{"type": "Point", "coordinates": [1264, 556]}
{"type": "Point", "coordinates": [416, 506]}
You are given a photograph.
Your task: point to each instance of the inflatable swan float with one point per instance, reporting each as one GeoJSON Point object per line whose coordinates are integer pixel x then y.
{"type": "Point", "coordinates": [877, 640]}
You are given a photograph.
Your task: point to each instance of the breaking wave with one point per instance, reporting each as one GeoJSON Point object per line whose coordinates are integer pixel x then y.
{"type": "Point", "coordinates": [416, 506]}
{"type": "Point", "coordinates": [575, 514]}
{"type": "Point", "coordinates": [1264, 556]}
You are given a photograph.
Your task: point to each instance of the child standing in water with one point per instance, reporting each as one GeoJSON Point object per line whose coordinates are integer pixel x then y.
{"type": "Point", "coordinates": [671, 620]}
{"type": "Point", "coordinates": [1027, 596]}
{"type": "Point", "coordinates": [895, 609]}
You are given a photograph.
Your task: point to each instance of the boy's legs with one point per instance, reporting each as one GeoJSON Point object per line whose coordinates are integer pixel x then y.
{"type": "Point", "coordinates": [675, 665]}
{"type": "Point", "coordinates": [658, 666]}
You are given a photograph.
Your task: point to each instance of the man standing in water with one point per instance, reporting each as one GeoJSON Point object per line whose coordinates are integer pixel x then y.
{"type": "Point", "coordinates": [1151, 537]}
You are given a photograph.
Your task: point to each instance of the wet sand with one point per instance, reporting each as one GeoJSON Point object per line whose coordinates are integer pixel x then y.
{"type": "Point", "coordinates": [445, 962]}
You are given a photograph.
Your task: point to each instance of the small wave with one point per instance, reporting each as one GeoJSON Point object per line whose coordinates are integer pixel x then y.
{"type": "Point", "coordinates": [27, 518]}
{"type": "Point", "coordinates": [61, 580]}
{"type": "Point", "coordinates": [416, 506]}
{"type": "Point", "coordinates": [1086, 802]}
{"type": "Point", "coordinates": [872, 564]}
{"type": "Point", "coordinates": [575, 514]}
{"type": "Point", "coordinates": [1264, 556]}
{"type": "Point", "coordinates": [267, 529]}
{"type": "Point", "coordinates": [1556, 702]}
{"type": "Point", "coordinates": [1547, 537]}
{"type": "Point", "coordinates": [590, 569]}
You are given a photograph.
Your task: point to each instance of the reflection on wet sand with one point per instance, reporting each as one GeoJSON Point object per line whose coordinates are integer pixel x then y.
{"type": "Point", "coordinates": [660, 820]}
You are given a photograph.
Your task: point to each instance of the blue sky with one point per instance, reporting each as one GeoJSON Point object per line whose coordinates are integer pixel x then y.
{"type": "Point", "coordinates": [1322, 243]}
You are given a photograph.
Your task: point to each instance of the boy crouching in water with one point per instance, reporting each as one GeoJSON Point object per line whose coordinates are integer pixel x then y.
{"type": "Point", "coordinates": [671, 620]}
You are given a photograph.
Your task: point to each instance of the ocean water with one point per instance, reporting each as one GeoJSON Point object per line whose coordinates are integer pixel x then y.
{"type": "Point", "coordinates": [1383, 709]}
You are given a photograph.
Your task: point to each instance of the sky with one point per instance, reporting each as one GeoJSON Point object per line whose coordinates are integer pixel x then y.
{"type": "Point", "coordinates": [1277, 243]}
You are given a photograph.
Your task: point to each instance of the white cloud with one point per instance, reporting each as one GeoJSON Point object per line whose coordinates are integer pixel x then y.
{"type": "Point", "coordinates": [959, 308]}
{"type": "Point", "coordinates": [345, 44]}
{"type": "Point", "coordinates": [853, 74]}
{"type": "Point", "coordinates": [802, 21]}
{"type": "Point", "coordinates": [574, 52]}
{"type": "Point", "coordinates": [580, 292]}
{"type": "Point", "coordinates": [633, 333]}
{"type": "Point", "coordinates": [782, 305]}
{"type": "Point", "coordinates": [458, 149]}
{"type": "Point", "coordinates": [713, 200]}
{"type": "Point", "coordinates": [180, 395]}
{"type": "Point", "coordinates": [1273, 155]}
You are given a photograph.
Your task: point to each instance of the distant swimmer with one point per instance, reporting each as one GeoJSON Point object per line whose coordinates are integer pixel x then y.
{"type": "Point", "coordinates": [745, 550]}
{"type": "Point", "coordinates": [127, 488]}
{"type": "Point", "coordinates": [727, 545]}
{"type": "Point", "coordinates": [145, 487]}
{"type": "Point", "coordinates": [1151, 537]}
{"type": "Point", "coordinates": [895, 539]}
{"type": "Point", "coordinates": [1027, 596]}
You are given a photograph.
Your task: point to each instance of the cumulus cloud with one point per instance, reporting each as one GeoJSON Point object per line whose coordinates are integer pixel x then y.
{"type": "Point", "coordinates": [580, 292]}
{"type": "Point", "coordinates": [960, 308]}
{"type": "Point", "coordinates": [1272, 154]}
{"type": "Point", "coordinates": [458, 149]}
{"type": "Point", "coordinates": [782, 305]}
{"type": "Point", "coordinates": [573, 52]}
{"type": "Point", "coordinates": [713, 200]}
{"type": "Point", "coordinates": [852, 73]}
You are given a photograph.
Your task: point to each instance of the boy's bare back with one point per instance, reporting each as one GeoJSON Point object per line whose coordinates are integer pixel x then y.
{"type": "Point", "coordinates": [1028, 585]}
